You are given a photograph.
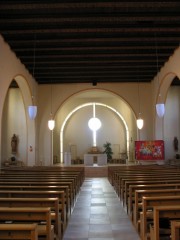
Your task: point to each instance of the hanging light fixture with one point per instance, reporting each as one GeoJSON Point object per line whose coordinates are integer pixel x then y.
{"type": "Point", "coordinates": [32, 110]}
{"type": "Point", "coordinates": [51, 122]}
{"type": "Point", "coordinates": [139, 121]}
{"type": "Point", "coordinates": [160, 107]}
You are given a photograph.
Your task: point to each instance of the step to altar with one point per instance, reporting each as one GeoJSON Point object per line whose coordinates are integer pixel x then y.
{"type": "Point", "coordinates": [96, 171]}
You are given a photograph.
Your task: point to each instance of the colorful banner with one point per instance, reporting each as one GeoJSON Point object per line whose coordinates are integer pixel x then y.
{"type": "Point", "coordinates": [149, 150]}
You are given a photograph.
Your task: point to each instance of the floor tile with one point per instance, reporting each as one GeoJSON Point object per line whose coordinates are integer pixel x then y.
{"type": "Point", "coordinates": [99, 215]}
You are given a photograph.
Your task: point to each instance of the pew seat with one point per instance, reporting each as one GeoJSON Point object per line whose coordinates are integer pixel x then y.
{"type": "Point", "coordinates": [41, 216]}
{"type": "Point", "coordinates": [18, 231]}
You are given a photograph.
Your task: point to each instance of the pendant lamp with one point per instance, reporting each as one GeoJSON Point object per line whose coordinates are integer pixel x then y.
{"type": "Point", "coordinates": [51, 122]}
{"type": "Point", "coordinates": [140, 121]}
{"type": "Point", "coordinates": [160, 106]}
{"type": "Point", "coordinates": [32, 109]}
{"type": "Point", "coordinates": [160, 109]}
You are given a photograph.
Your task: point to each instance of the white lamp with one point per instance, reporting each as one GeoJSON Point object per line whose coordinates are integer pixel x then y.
{"type": "Point", "coordinates": [160, 109]}
{"type": "Point", "coordinates": [51, 124]}
{"type": "Point", "coordinates": [32, 111]}
{"type": "Point", "coordinates": [140, 123]}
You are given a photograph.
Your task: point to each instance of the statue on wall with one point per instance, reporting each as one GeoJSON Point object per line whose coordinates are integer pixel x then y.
{"type": "Point", "coordinates": [175, 144]}
{"type": "Point", "coordinates": [14, 143]}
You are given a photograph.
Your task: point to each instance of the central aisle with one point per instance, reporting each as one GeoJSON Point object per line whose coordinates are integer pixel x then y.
{"type": "Point", "coordinates": [99, 215]}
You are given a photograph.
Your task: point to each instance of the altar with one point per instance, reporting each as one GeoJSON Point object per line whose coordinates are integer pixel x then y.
{"type": "Point", "coordinates": [89, 159]}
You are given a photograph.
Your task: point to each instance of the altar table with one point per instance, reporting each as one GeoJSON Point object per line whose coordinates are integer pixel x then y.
{"type": "Point", "coordinates": [89, 159]}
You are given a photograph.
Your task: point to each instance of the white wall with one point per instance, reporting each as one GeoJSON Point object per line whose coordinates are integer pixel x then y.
{"type": "Point", "coordinates": [172, 121]}
{"type": "Point", "coordinates": [77, 131]}
{"type": "Point", "coordinates": [14, 122]}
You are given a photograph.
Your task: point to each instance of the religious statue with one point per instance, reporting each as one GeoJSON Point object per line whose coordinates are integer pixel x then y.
{"type": "Point", "coordinates": [14, 142]}
{"type": "Point", "coordinates": [175, 144]}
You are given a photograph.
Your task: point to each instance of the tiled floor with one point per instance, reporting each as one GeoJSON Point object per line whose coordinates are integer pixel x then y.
{"type": "Point", "coordinates": [98, 214]}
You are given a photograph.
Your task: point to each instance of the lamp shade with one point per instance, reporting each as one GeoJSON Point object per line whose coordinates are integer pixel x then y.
{"type": "Point", "coordinates": [94, 124]}
{"type": "Point", "coordinates": [32, 111]}
{"type": "Point", "coordinates": [51, 124]}
{"type": "Point", "coordinates": [140, 123]}
{"type": "Point", "coordinates": [160, 109]}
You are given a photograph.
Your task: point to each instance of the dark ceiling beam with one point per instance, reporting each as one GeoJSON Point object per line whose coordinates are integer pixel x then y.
{"type": "Point", "coordinates": [89, 5]}
{"type": "Point", "coordinates": [50, 40]}
{"type": "Point", "coordinates": [88, 77]}
{"type": "Point", "coordinates": [47, 49]}
{"type": "Point", "coordinates": [93, 19]}
{"type": "Point", "coordinates": [94, 55]}
{"type": "Point", "coordinates": [80, 72]}
{"type": "Point", "coordinates": [77, 68]}
{"type": "Point", "coordinates": [95, 30]}
{"type": "Point", "coordinates": [99, 62]}
{"type": "Point", "coordinates": [85, 41]}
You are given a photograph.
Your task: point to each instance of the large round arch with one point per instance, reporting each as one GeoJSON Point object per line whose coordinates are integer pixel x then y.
{"type": "Point", "coordinates": [108, 100]}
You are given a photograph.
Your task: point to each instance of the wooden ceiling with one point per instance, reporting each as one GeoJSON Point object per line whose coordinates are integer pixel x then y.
{"type": "Point", "coordinates": [91, 41]}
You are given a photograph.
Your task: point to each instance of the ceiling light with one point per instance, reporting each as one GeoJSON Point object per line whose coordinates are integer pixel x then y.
{"type": "Point", "coordinates": [32, 110]}
{"type": "Point", "coordinates": [51, 122]}
{"type": "Point", "coordinates": [160, 107]}
{"type": "Point", "coordinates": [140, 123]}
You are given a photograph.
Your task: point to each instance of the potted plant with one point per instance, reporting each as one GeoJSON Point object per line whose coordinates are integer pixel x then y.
{"type": "Point", "coordinates": [108, 151]}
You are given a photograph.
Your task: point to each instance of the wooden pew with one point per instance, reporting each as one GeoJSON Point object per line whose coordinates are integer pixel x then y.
{"type": "Point", "coordinates": [76, 171]}
{"type": "Point", "coordinates": [135, 172]}
{"type": "Point", "coordinates": [43, 188]}
{"type": "Point", "coordinates": [139, 194]}
{"type": "Point", "coordinates": [122, 178]}
{"type": "Point", "coordinates": [48, 174]}
{"type": "Point", "coordinates": [30, 215]}
{"type": "Point", "coordinates": [138, 173]}
{"type": "Point", "coordinates": [18, 231]}
{"type": "Point", "coordinates": [39, 194]}
{"type": "Point", "coordinates": [133, 189]}
{"type": "Point", "coordinates": [42, 179]}
{"type": "Point", "coordinates": [154, 181]}
{"type": "Point", "coordinates": [114, 171]}
{"type": "Point", "coordinates": [171, 212]}
{"type": "Point", "coordinates": [148, 203]}
{"type": "Point", "coordinates": [43, 183]}
{"type": "Point", "coordinates": [45, 180]}
{"type": "Point", "coordinates": [73, 176]}
{"type": "Point", "coordinates": [175, 230]}
{"type": "Point", "coordinates": [52, 203]}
